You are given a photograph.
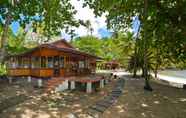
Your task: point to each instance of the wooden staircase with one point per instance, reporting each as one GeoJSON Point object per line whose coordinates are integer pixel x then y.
{"type": "Point", "coordinates": [53, 83]}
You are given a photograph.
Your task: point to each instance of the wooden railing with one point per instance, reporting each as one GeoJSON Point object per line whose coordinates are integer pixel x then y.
{"type": "Point", "coordinates": [19, 72]}
{"type": "Point", "coordinates": [46, 72]}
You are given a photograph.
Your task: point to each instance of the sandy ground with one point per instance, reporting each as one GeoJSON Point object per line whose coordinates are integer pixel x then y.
{"type": "Point", "coordinates": [58, 105]}
{"type": "Point", "coordinates": [163, 102]}
{"type": "Point", "coordinates": [175, 76]}
{"type": "Point", "coordinates": [17, 88]}
{"type": "Point", "coordinates": [174, 73]}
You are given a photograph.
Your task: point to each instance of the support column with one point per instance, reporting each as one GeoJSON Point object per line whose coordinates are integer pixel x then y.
{"type": "Point", "coordinates": [40, 82]}
{"type": "Point", "coordinates": [89, 87]}
{"type": "Point", "coordinates": [66, 84]}
{"type": "Point", "coordinates": [10, 80]}
{"type": "Point", "coordinates": [72, 85]}
{"type": "Point", "coordinates": [106, 81]}
{"type": "Point", "coordinates": [60, 88]}
{"type": "Point", "coordinates": [29, 79]}
{"type": "Point", "coordinates": [102, 83]}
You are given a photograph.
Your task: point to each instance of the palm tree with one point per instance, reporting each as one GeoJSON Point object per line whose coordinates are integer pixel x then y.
{"type": "Point", "coordinates": [88, 26]}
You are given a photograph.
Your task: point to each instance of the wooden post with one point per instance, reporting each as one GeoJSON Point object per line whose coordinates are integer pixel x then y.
{"type": "Point", "coordinates": [89, 87]}
{"type": "Point", "coordinates": [40, 83]}
{"type": "Point", "coordinates": [64, 63]}
{"type": "Point", "coordinates": [29, 79]}
{"type": "Point", "coordinates": [102, 83]}
{"type": "Point", "coordinates": [72, 85]}
{"type": "Point", "coordinates": [10, 80]}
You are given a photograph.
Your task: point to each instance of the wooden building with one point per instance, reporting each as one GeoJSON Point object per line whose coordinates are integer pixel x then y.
{"type": "Point", "coordinates": [59, 64]}
{"type": "Point", "coordinates": [111, 65]}
{"type": "Point", "coordinates": [57, 59]}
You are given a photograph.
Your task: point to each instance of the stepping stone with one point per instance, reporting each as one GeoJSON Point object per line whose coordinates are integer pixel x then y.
{"type": "Point", "coordinates": [115, 95]}
{"type": "Point", "coordinates": [108, 101]}
{"type": "Point", "coordinates": [116, 92]}
{"type": "Point", "coordinates": [112, 98]}
{"type": "Point", "coordinates": [98, 108]}
{"type": "Point", "coordinates": [117, 89]}
{"type": "Point", "coordinates": [93, 113]}
{"type": "Point", "coordinates": [104, 104]}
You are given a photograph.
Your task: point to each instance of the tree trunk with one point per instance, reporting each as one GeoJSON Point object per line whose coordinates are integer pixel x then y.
{"type": "Point", "coordinates": [143, 72]}
{"type": "Point", "coordinates": [146, 74]}
{"type": "Point", "coordinates": [156, 73]}
{"type": "Point", "coordinates": [135, 61]}
{"type": "Point", "coordinates": [4, 37]}
{"type": "Point", "coordinates": [134, 73]}
{"type": "Point", "coordinates": [135, 54]}
{"type": "Point", "coordinates": [156, 70]}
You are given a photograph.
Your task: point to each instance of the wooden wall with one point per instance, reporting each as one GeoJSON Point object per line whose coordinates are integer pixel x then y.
{"type": "Point", "coordinates": [19, 72]}
{"type": "Point", "coordinates": [49, 72]}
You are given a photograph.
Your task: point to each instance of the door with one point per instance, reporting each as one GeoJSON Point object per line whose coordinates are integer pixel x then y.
{"type": "Point", "coordinates": [56, 66]}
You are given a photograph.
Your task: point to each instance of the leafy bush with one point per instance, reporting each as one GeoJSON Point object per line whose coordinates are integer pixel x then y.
{"type": "Point", "coordinates": [3, 70]}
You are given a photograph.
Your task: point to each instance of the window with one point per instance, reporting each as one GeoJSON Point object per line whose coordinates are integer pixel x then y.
{"type": "Point", "coordinates": [12, 62]}
{"type": "Point", "coordinates": [86, 63]}
{"type": "Point", "coordinates": [81, 64]}
{"type": "Point", "coordinates": [43, 62]}
{"type": "Point", "coordinates": [50, 62]}
{"type": "Point", "coordinates": [61, 62]}
{"type": "Point", "coordinates": [35, 62]}
{"type": "Point", "coordinates": [32, 62]}
{"type": "Point", "coordinates": [25, 62]}
{"type": "Point", "coordinates": [20, 64]}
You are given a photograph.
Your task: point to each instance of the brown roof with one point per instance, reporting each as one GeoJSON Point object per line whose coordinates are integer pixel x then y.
{"type": "Point", "coordinates": [57, 45]}
{"type": "Point", "coordinates": [62, 44]}
{"type": "Point", "coordinates": [112, 62]}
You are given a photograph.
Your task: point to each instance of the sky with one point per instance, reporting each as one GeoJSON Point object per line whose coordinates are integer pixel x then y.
{"type": "Point", "coordinates": [98, 23]}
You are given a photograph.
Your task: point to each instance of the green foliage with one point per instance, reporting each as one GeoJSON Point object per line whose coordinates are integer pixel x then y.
{"type": "Point", "coordinates": [49, 16]}
{"type": "Point", "coordinates": [162, 30]}
{"type": "Point", "coordinates": [88, 44]}
{"type": "Point", "coordinates": [55, 16]}
{"type": "Point", "coordinates": [137, 61]}
{"type": "Point", "coordinates": [19, 43]}
{"type": "Point", "coordinates": [114, 48]}
{"type": "Point", "coordinates": [2, 69]}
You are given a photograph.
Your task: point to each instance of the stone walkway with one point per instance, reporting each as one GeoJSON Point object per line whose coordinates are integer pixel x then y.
{"type": "Point", "coordinates": [106, 102]}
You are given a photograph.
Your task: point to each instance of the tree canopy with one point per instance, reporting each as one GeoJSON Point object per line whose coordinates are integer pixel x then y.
{"type": "Point", "coordinates": [49, 16]}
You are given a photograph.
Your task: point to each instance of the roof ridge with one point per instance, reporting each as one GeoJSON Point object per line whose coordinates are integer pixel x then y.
{"type": "Point", "coordinates": [64, 41]}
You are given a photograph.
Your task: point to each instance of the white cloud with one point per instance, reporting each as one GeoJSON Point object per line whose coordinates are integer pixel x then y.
{"type": "Point", "coordinates": [87, 14]}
